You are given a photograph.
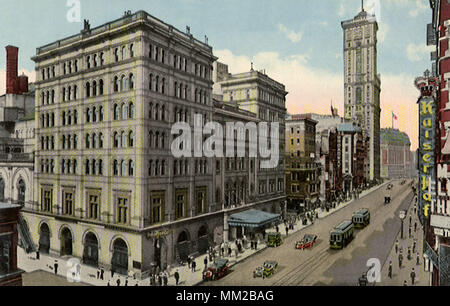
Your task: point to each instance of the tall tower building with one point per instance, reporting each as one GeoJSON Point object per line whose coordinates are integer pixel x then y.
{"type": "Point", "coordinates": [362, 83]}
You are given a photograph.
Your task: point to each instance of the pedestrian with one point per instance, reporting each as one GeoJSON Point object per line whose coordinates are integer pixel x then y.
{"type": "Point", "coordinates": [252, 244]}
{"type": "Point", "coordinates": [108, 284]}
{"type": "Point", "coordinates": [102, 272]}
{"type": "Point", "coordinates": [166, 279]}
{"type": "Point", "coordinates": [126, 282]}
{"type": "Point", "coordinates": [193, 264]}
{"type": "Point", "coordinates": [189, 261]}
{"type": "Point", "coordinates": [160, 279]}
{"type": "Point", "coordinates": [38, 256]}
{"type": "Point", "coordinates": [415, 226]}
{"type": "Point", "coordinates": [413, 276]}
{"type": "Point", "coordinates": [118, 282]}
{"type": "Point", "coordinates": [287, 231]}
{"type": "Point", "coordinates": [98, 273]}
{"type": "Point", "coordinates": [177, 277]}
{"type": "Point", "coordinates": [222, 251]}
{"type": "Point", "coordinates": [390, 270]}
{"type": "Point", "coordinates": [400, 259]}
{"type": "Point", "coordinates": [396, 247]}
{"type": "Point", "coordinates": [206, 262]}
{"type": "Point", "coordinates": [256, 244]}
{"type": "Point", "coordinates": [55, 265]}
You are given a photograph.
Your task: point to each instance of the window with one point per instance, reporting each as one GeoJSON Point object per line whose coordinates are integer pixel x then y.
{"type": "Point", "coordinates": [123, 137]}
{"type": "Point", "coordinates": [124, 52]}
{"type": "Point", "coordinates": [100, 144]}
{"type": "Point", "coordinates": [124, 111]}
{"type": "Point", "coordinates": [94, 88]}
{"type": "Point", "coordinates": [88, 141]}
{"type": "Point", "coordinates": [131, 110]}
{"type": "Point", "coordinates": [88, 167]}
{"type": "Point", "coordinates": [131, 168]}
{"type": "Point", "coordinates": [124, 83]}
{"type": "Point", "coordinates": [131, 81]}
{"type": "Point", "coordinates": [131, 50]}
{"type": "Point", "coordinates": [88, 90]}
{"type": "Point", "coordinates": [47, 199]}
{"type": "Point", "coordinates": [116, 84]}
{"type": "Point", "coordinates": [94, 205]}
{"type": "Point", "coordinates": [180, 204]}
{"type": "Point", "coordinates": [157, 210]}
{"type": "Point", "coordinates": [116, 54]}
{"type": "Point", "coordinates": [122, 209]}
{"type": "Point", "coordinates": [123, 168]}
{"type": "Point", "coordinates": [100, 113]}
{"type": "Point", "coordinates": [200, 200]}
{"type": "Point", "coordinates": [131, 139]}
{"type": "Point", "coordinates": [116, 140]}
{"type": "Point", "coordinates": [68, 200]}
{"type": "Point", "coordinates": [116, 167]}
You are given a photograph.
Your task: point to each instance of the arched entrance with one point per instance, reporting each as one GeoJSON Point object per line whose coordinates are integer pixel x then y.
{"type": "Point", "coordinates": [66, 242]}
{"type": "Point", "coordinates": [21, 188]}
{"type": "Point", "coordinates": [44, 239]}
{"type": "Point", "coordinates": [90, 252]}
{"type": "Point", "coordinates": [119, 262]}
{"type": "Point", "coordinates": [203, 241]}
{"type": "Point", "coordinates": [183, 245]}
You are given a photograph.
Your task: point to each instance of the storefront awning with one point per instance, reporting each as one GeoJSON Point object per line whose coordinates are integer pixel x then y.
{"type": "Point", "coordinates": [252, 218]}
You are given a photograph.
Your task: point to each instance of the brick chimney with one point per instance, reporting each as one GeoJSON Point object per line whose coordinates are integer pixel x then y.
{"type": "Point", "coordinates": [12, 81]}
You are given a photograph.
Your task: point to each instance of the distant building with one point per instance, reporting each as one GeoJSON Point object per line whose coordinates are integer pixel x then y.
{"type": "Point", "coordinates": [302, 169]}
{"type": "Point", "coordinates": [396, 156]}
{"type": "Point", "coordinates": [362, 84]}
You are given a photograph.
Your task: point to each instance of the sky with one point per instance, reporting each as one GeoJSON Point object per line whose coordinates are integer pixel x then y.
{"type": "Point", "coordinates": [297, 42]}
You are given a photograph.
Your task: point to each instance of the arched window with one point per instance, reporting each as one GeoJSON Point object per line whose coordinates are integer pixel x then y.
{"type": "Point", "coordinates": [157, 84]}
{"type": "Point", "coordinates": [163, 113]}
{"type": "Point", "coordinates": [69, 166]}
{"type": "Point", "coordinates": [100, 144]}
{"type": "Point", "coordinates": [95, 60]}
{"type": "Point", "coordinates": [100, 167]}
{"type": "Point", "coordinates": [63, 95]}
{"type": "Point", "coordinates": [131, 168]}
{"type": "Point", "coordinates": [131, 110]}
{"type": "Point", "coordinates": [116, 140]}
{"type": "Point", "coordinates": [94, 114]}
{"type": "Point", "coordinates": [150, 82]}
{"type": "Point", "coordinates": [163, 140]}
{"type": "Point", "coordinates": [150, 139]}
{"type": "Point", "coordinates": [123, 137]}
{"type": "Point", "coordinates": [53, 96]}
{"type": "Point", "coordinates": [102, 59]}
{"type": "Point", "coordinates": [131, 50]}
{"type": "Point", "coordinates": [94, 167]}
{"type": "Point", "coordinates": [163, 86]}
{"type": "Point", "coordinates": [53, 119]}
{"type": "Point", "coordinates": [88, 90]}
{"type": "Point", "coordinates": [115, 168]}
{"type": "Point", "coordinates": [64, 142]}
{"type": "Point", "coordinates": [75, 92]}
{"type": "Point", "coordinates": [175, 93]}
{"type": "Point", "coordinates": [75, 141]}
{"type": "Point", "coordinates": [88, 141]}
{"type": "Point", "coordinates": [124, 111]}
{"type": "Point", "coordinates": [116, 54]}
{"type": "Point", "coordinates": [157, 112]}
{"type": "Point", "coordinates": [131, 81]}
{"type": "Point", "coordinates": [150, 51]}
{"type": "Point", "coordinates": [94, 88]}
{"type": "Point", "coordinates": [88, 115]}
{"type": "Point", "coordinates": [150, 168]}
{"type": "Point", "coordinates": [124, 52]}
{"type": "Point", "coordinates": [75, 166]}
{"type": "Point", "coordinates": [163, 167]}
{"type": "Point", "coordinates": [101, 113]}
{"type": "Point", "coordinates": [116, 84]}
{"type": "Point", "coordinates": [100, 87]}
{"type": "Point", "coordinates": [157, 139]}
{"type": "Point", "coordinates": [116, 112]}
{"type": "Point", "coordinates": [157, 168]}
{"type": "Point", "coordinates": [88, 62]}
{"type": "Point", "coordinates": [69, 118]}
{"type": "Point", "coordinates": [131, 139]}
{"type": "Point", "coordinates": [88, 166]}
{"type": "Point", "coordinates": [94, 141]}
{"type": "Point", "coordinates": [124, 83]}
{"type": "Point", "coordinates": [63, 166]}
{"type": "Point", "coordinates": [123, 168]}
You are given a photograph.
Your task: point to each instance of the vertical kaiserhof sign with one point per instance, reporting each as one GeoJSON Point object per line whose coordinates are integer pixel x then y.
{"type": "Point", "coordinates": [427, 128]}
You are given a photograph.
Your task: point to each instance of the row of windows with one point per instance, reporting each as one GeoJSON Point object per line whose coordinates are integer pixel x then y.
{"type": "Point", "coordinates": [123, 168]}
{"type": "Point", "coordinates": [157, 112]}
{"type": "Point", "coordinates": [124, 112]}
{"type": "Point", "coordinates": [121, 53]}
{"type": "Point", "coordinates": [48, 120]}
{"type": "Point", "coordinates": [94, 114]}
{"type": "Point", "coordinates": [123, 139]}
{"type": "Point", "coordinates": [69, 117]}
{"type": "Point", "coordinates": [157, 140]}
{"type": "Point", "coordinates": [47, 143]}
{"type": "Point", "coordinates": [124, 83]}
{"type": "Point", "coordinates": [157, 84]}
{"type": "Point", "coordinates": [157, 168]}
{"type": "Point", "coordinates": [179, 62]}
{"type": "Point", "coordinates": [94, 141]}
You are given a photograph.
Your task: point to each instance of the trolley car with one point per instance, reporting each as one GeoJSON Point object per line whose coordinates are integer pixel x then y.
{"type": "Point", "coordinates": [361, 218]}
{"type": "Point", "coordinates": [341, 235]}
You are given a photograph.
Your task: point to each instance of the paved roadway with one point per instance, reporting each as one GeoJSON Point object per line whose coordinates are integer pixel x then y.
{"type": "Point", "coordinates": [321, 265]}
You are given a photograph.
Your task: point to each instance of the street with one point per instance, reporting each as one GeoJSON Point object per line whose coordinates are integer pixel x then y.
{"type": "Point", "coordinates": [320, 265]}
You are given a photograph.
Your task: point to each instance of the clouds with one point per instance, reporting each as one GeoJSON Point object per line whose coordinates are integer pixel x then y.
{"type": "Point", "coordinates": [414, 7]}
{"type": "Point", "coordinates": [417, 52]}
{"type": "Point", "coordinates": [31, 78]}
{"type": "Point", "coordinates": [312, 89]}
{"type": "Point", "coordinates": [293, 36]}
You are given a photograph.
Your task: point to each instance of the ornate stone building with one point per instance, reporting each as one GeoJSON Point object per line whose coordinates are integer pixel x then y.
{"type": "Point", "coordinates": [362, 83]}
{"type": "Point", "coordinates": [396, 156]}
{"type": "Point", "coordinates": [107, 188]}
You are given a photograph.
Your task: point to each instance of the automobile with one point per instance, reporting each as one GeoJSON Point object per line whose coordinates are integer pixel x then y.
{"type": "Point", "coordinates": [307, 242]}
{"type": "Point", "coordinates": [389, 186]}
{"type": "Point", "coordinates": [274, 240]}
{"type": "Point", "coordinates": [266, 270]}
{"type": "Point", "coordinates": [217, 270]}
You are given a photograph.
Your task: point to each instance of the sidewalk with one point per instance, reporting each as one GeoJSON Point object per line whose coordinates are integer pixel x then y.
{"type": "Point", "coordinates": [399, 275]}
{"type": "Point", "coordinates": [28, 263]}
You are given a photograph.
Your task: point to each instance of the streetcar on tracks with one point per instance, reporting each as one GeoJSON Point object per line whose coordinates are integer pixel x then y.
{"type": "Point", "coordinates": [342, 235]}
{"type": "Point", "coordinates": [361, 218]}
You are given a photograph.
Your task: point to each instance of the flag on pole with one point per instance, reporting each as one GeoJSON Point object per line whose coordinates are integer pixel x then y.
{"type": "Point", "coordinates": [394, 116]}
